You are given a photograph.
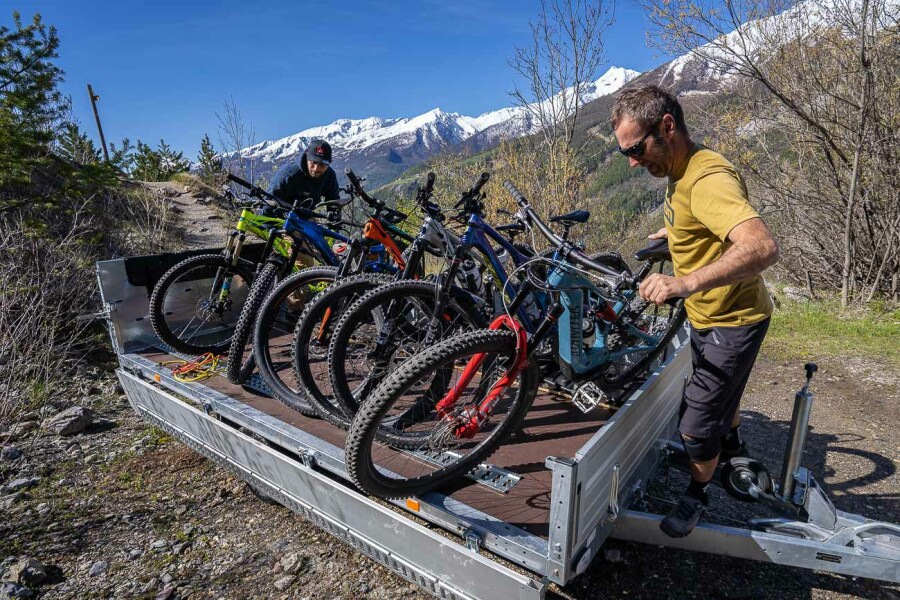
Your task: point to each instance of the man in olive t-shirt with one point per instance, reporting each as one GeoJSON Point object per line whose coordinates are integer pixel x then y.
{"type": "Point", "coordinates": [719, 246]}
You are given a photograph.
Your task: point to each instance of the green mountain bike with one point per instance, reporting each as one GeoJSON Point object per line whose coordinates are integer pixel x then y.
{"type": "Point", "coordinates": [195, 305]}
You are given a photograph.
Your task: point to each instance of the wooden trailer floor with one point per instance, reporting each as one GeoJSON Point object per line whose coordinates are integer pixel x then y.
{"type": "Point", "coordinates": [553, 427]}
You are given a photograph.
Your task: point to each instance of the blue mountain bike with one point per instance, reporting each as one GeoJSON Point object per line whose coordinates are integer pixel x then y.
{"type": "Point", "coordinates": [481, 384]}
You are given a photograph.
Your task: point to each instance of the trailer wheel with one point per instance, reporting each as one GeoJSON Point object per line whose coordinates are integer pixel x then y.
{"type": "Point", "coordinates": [740, 472]}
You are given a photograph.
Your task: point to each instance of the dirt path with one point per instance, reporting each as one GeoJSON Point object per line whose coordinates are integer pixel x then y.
{"type": "Point", "coordinates": [203, 223]}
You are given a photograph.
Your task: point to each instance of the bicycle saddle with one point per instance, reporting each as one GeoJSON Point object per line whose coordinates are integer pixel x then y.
{"type": "Point", "coordinates": [578, 216]}
{"type": "Point", "coordinates": [656, 250]}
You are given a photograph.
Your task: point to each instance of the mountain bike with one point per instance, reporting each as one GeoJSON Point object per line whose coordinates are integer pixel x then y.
{"type": "Point", "coordinates": [312, 337]}
{"type": "Point", "coordinates": [278, 317]}
{"type": "Point", "coordinates": [378, 250]}
{"type": "Point", "coordinates": [397, 321]}
{"type": "Point", "coordinates": [605, 338]}
{"type": "Point", "coordinates": [195, 305]}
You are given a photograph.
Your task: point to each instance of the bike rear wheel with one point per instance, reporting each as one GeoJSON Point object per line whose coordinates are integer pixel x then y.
{"type": "Point", "coordinates": [398, 444]}
{"type": "Point", "coordinates": [196, 304]}
{"type": "Point", "coordinates": [662, 322]}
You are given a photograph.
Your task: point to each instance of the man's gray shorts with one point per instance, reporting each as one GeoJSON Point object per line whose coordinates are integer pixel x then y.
{"type": "Point", "coordinates": [723, 358]}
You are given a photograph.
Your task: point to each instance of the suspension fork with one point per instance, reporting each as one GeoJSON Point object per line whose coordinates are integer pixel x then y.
{"type": "Point", "coordinates": [222, 280]}
{"type": "Point", "coordinates": [356, 249]}
{"type": "Point", "coordinates": [443, 294]}
{"type": "Point", "coordinates": [416, 252]}
{"type": "Point", "coordinates": [524, 351]}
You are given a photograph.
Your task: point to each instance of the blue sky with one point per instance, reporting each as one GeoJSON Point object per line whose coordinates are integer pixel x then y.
{"type": "Point", "coordinates": [163, 69]}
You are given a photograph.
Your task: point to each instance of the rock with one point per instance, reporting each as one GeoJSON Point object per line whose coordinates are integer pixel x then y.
{"type": "Point", "coordinates": [74, 448]}
{"type": "Point", "coordinates": [65, 482]}
{"type": "Point", "coordinates": [43, 509]}
{"type": "Point", "coordinates": [797, 294]}
{"type": "Point", "coordinates": [289, 563]}
{"type": "Point", "coordinates": [179, 548]}
{"type": "Point", "coordinates": [17, 485]}
{"type": "Point", "coordinates": [284, 583]}
{"type": "Point", "coordinates": [134, 554]}
{"type": "Point", "coordinates": [6, 502]}
{"type": "Point", "coordinates": [9, 591]}
{"type": "Point", "coordinates": [613, 555]}
{"type": "Point", "coordinates": [166, 578]}
{"type": "Point", "coordinates": [27, 571]}
{"type": "Point", "coordinates": [20, 429]}
{"type": "Point", "coordinates": [167, 593]}
{"type": "Point", "coordinates": [364, 588]}
{"type": "Point", "coordinates": [98, 568]}
{"type": "Point", "coordinates": [160, 545]}
{"type": "Point", "coordinates": [10, 453]}
{"type": "Point", "coordinates": [71, 421]}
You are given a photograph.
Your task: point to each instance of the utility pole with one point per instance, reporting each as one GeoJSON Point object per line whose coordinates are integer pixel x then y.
{"type": "Point", "coordinates": [94, 97]}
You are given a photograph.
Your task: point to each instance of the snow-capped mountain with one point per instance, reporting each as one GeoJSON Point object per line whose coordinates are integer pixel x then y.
{"type": "Point", "coordinates": [383, 148]}
{"type": "Point", "coordinates": [709, 67]}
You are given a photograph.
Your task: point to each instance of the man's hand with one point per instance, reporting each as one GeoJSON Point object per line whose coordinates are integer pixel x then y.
{"type": "Point", "coordinates": [661, 234]}
{"type": "Point", "coordinates": [658, 288]}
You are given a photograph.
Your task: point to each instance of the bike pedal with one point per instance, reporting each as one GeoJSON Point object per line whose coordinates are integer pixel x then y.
{"type": "Point", "coordinates": [588, 397]}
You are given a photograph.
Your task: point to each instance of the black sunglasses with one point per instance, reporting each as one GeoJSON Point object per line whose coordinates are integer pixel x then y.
{"type": "Point", "coordinates": [637, 150]}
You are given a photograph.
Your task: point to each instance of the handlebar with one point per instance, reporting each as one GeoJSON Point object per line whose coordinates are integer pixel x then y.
{"type": "Point", "coordinates": [356, 184]}
{"type": "Point", "coordinates": [572, 253]}
{"type": "Point", "coordinates": [429, 183]}
{"type": "Point", "coordinates": [273, 201]}
{"type": "Point", "coordinates": [475, 191]}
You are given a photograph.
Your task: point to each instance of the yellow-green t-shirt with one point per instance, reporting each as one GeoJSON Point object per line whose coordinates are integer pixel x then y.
{"type": "Point", "coordinates": [703, 204]}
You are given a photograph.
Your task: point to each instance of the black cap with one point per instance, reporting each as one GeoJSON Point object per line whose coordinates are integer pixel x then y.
{"type": "Point", "coordinates": [319, 151]}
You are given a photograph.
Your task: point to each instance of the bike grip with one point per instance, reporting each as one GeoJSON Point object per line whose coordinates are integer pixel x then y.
{"type": "Point", "coordinates": [351, 176]}
{"type": "Point", "coordinates": [239, 181]}
{"type": "Point", "coordinates": [515, 193]}
{"type": "Point", "coordinates": [429, 182]}
{"type": "Point", "coordinates": [480, 183]}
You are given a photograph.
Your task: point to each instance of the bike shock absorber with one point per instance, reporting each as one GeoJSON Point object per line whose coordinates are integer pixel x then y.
{"type": "Point", "coordinates": [238, 247]}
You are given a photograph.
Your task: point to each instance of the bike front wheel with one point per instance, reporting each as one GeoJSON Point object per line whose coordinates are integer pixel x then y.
{"type": "Point", "coordinates": [196, 304]}
{"type": "Point", "coordinates": [238, 369]}
{"type": "Point", "coordinates": [400, 445]}
{"type": "Point", "coordinates": [385, 328]}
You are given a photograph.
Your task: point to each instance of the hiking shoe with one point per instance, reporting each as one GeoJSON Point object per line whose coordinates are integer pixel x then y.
{"type": "Point", "coordinates": [683, 518]}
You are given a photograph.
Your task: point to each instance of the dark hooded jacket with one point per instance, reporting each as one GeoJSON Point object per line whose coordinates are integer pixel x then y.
{"type": "Point", "coordinates": [293, 181]}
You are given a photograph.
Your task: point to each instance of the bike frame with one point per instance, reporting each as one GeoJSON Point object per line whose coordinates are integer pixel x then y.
{"type": "Point", "coordinates": [578, 362]}
{"type": "Point", "coordinates": [478, 235]}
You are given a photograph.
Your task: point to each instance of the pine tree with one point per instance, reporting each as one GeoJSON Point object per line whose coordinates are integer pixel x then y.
{"type": "Point", "coordinates": [75, 146]}
{"type": "Point", "coordinates": [171, 162]}
{"type": "Point", "coordinates": [210, 163]}
{"type": "Point", "coordinates": [147, 163]}
{"type": "Point", "coordinates": [30, 103]}
{"type": "Point", "coordinates": [157, 165]}
{"type": "Point", "coordinates": [122, 157]}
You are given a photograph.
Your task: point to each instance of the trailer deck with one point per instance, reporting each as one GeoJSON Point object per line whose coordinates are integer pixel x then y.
{"type": "Point", "coordinates": [546, 502]}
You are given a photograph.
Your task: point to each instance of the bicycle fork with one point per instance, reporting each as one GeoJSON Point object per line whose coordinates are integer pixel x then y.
{"type": "Point", "coordinates": [474, 420]}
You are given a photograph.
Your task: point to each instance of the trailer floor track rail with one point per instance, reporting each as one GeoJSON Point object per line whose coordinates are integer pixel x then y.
{"type": "Point", "coordinates": [439, 565]}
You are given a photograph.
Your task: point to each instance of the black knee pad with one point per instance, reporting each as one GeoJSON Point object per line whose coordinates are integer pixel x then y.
{"type": "Point", "coordinates": [701, 449]}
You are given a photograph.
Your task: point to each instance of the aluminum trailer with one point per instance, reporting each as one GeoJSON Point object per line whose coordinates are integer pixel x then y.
{"type": "Point", "coordinates": [537, 514]}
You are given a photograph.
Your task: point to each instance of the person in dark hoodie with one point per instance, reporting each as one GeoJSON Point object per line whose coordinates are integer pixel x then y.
{"type": "Point", "coordinates": [310, 176]}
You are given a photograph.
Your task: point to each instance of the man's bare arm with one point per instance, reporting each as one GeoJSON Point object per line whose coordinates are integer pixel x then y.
{"type": "Point", "coordinates": [752, 251]}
